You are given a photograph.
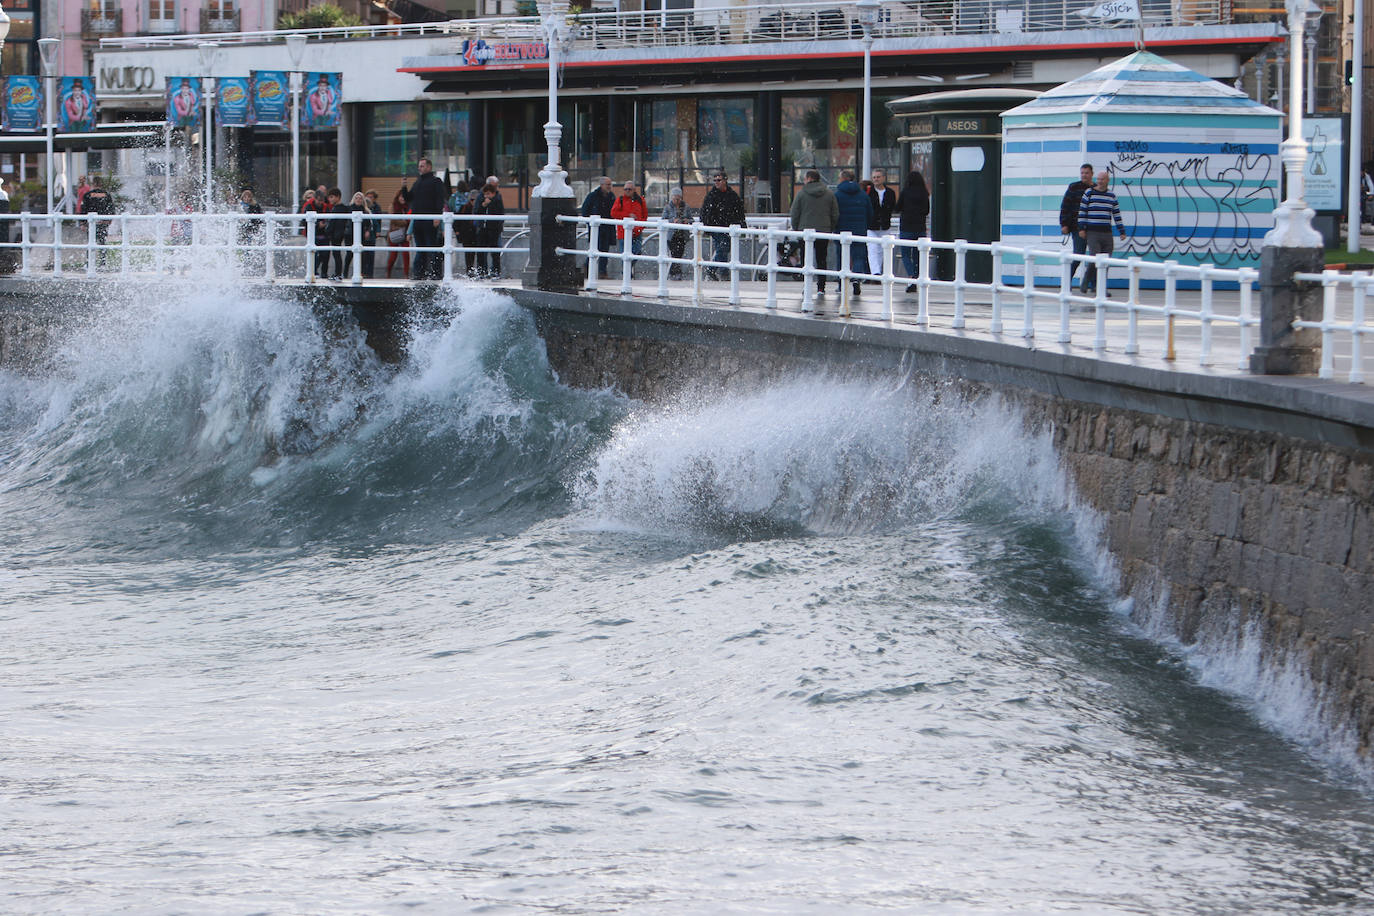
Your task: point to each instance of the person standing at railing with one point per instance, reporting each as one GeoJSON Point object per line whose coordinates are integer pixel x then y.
{"type": "Point", "coordinates": [677, 211]}
{"type": "Point", "coordinates": [856, 213]}
{"type": "Point", "coordinates": [913, 208]}
{"type": "Point", "coordinates": [815, 207]}
{"type": "Point", "coordinates": [1097, 212]}
{"type": "Point", "coordinates": [466, 229]}
{"type": "Point", "coordinates": [1068, 212]}
{"type": "Point", "coordinates": [426, 198]}
{"type": "Point", "coordinates": [398, 236]}
{"type": "Point", "coordinates": [884, 201]}
{"type": "Point", "coordinates": [372, 232]}
{"type": "Point", "coordinates": [82, 186]}
{"type": "Point", "coordinates": [632, 205]}
{"type": "Point", "coordinates": [489, 229]}
{"type": "Point", "coordinates": [599, 203]}
{"type": "Point", "coordinates": [98, 200]}
{"type": "Point", "coordinates": [722, 208]}
{"type": "Point", "coordinates": [358, 204]}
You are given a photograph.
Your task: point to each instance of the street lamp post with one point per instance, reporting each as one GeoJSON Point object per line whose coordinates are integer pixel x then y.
{"type": "Point", "coordinates": [47, 57]}
{"type": "Point", "coordinates": [208, 50]}
{"type": "Point", "coordinates": [1352, 200]}
{"type": "Point", "coordinates": [1293, 218]}
{"type": "Point", "coordinates": [553, 181]}
{"type": "Point", "coordinates": [868, 19]}
{"type": "Point", "coordinates": [295, 47]}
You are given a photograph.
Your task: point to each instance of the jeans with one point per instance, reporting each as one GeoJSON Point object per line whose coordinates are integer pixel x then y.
{"type": "Point", "coordinates": [1080, 245]}
{"type": "Point", "coordinates": [911, 257]}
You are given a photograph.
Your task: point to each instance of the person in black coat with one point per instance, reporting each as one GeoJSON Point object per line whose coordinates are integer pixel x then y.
{"type": "Point", "coordinates": [1068, 211]}
{"type": "Point", "coordinates": [913, 209]}
{"type": "Point", "coordinates": [489, 230]}
{"type": "Point", "coordinates": [98, 200]}
{"type": "Point", "coordinates": [599, 203]}
{"type": "Point", "coordinates": [721, 207]}
{"type": "Point", "coordinates": [426, 199]}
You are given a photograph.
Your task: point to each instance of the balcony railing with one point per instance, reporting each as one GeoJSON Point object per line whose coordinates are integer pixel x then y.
{"type": "Point", "coordinates": [162, 26]}
{"type": "Point", "coordinates": [218, 22]}
{"type": "Point", "coordinates": [102, 23]}
{"type": "Point", "coordinates": [753, 24]}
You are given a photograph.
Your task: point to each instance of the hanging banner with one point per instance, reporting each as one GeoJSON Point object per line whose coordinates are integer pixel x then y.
{"type": "Point", "coordinates": [231, 108]}
{"type": "Point", "coordinates": [23, 108]}
{"type": "Point", "coordinates": [270, 97]}
{"type": "Point", "coordinates": [76, 103]}
{"type": "Point", "coordinates": [183, 101]}
{"type": "Point", "coordinates": [321, 108]}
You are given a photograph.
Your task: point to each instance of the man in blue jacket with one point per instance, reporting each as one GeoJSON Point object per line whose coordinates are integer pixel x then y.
{"type": "Point", "coordinates": [856, 213]}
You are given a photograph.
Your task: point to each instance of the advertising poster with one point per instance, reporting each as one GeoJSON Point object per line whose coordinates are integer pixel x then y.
{"type": "Point", "coordinates": [231, 103]}
{"type": "Point", "coordinates": [322, 99]}
{"type": "Point", "coordinates": [76, 103]}
{"type": "Point", "coordinates": [1322, 177]}
{"type": "Point", "coordinates": [271, 99]}
{"type": "Point", "coordinates": [23, 110]}
{"type": "Point", "coordinates": [183, 101]}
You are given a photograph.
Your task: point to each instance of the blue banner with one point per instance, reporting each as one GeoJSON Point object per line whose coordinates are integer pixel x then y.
{"type": "Point", "coordinates": [76, 103]}
{"type": "Point", "coordinates": [323, 94]}
{"type": "Point", "coordinates": [183, 101]}
{"type": "Point", "coordinates": [271, 98]}
{"type": "Point", "coordinates": [232, 101]}
{"type": "Point", "coordinates": [23, 109]}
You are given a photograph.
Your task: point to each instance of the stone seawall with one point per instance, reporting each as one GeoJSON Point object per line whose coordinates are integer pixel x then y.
{"type": "Point", "coordinates": [1217, 529]}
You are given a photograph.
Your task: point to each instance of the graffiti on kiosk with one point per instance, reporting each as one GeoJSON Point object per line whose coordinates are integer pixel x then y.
{"type": "Point", "coordinates": [1200, 205]}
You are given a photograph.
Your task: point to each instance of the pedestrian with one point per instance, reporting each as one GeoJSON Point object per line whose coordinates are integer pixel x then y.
{"type": "Point", "coordinates": [97, 200]}
{"type": "Point", "coordinates": [913, 209]}
{"type": "Point", "coordinates": [884, 201]}
{"type": "Point", "coordinates": [1097, 211]}
{"type": "Point", "coordinates": [1367, 194]}
{"type": "Point", "coordinates": [467, 228]}
{"type": "Point", "coordinates": [815, 207]}
{"type": "Point", "coordinates": [250, 230]}
{"type": "Point", "coordinates": [398, 235]}
{"type": "Point", "coordinates": [677, 211]}
{"type": "Point", "coordinates": [856, 213]}
{"type": "Point", "coordinates": [599, 203]}
{"type": "Point", "coordinates": [372, 232]}
{"type": "Point", "coordinates": [426, 199]}
{"type": "Point", "coordinates": [1068, 213]}
{"type": "Point", "coordinates": [632, 205]}
{"type": "Point", "coordinates": [82, 186]}
{"type": "Point", "coordinates": [489, 230]}
{"type": "Point", "coordinates": [339, 234]}
{"type": "Point", "coordinates": [723, 207]}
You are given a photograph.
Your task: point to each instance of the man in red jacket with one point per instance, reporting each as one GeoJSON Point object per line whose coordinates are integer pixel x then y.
{"type": "Point", "coordinates": [632, 205]}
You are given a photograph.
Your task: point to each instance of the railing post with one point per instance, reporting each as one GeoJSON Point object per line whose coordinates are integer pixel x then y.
{"type": "Point", "coordinates": [845, 254]}
{"type": "Point", "coordinates": [269, 249]}
{"type": "Point", "coordinates": [770, 262]}
{"type": "Point", "coordinates": [1066, 266]}
{"type": "Point", "coordinates": [25, 228]}
{"type": "Point", "coordinates": [1028, 295]}
{"type": "Point", "coordinates": [1328, 331]}
{"type": "Point", "coordinates": [90, 244]}
{"type": "Point", "coordinates": [996, 326]}
{"type": "Point", "coordinates": [1356, 324]}
{"type": "Point", "coordinates": [311, 218]}
{"type": "Point", "coordinates": [1133, 308]}
{"type": "Point", "coordinates": [1170, 305]}
{"type": "Point", "coordinates": [809, 270]}
{"type": "Point", "coordinates": [56, 220]}
{"type": "Point", "coordinates": [887, 242]}
{"type": "Point", "coordinates": [123, 244]}
{"type": "Point", "coordinates": [159, 247]}
{"type": "Point", "coordinates": [960, 272]}
{"type": "Point", "coordinates": [627, 264]}
{"type": "Point", "coordinates": [697, 239]}
{"type": "Point", "coordinates": [1247, 279]}
{"type": "Point", "coordinates": [663, 266]}
{"type": "Point", "coordinates": [449, 254]}
{"type": "Point", "coordinates": [355, 249]}
{"type": "Point", "coordinates": [1205, 314]}
{"type": "Point", "coordinates": [734, 264]}
{"type": "Point", "coordinates": [593, 252]}
{"type": "Point", "coordinates": [923, 284]}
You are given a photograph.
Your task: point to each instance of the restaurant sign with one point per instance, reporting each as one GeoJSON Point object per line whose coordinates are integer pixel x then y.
{"type": "Point", "coordinates": [478, 53]}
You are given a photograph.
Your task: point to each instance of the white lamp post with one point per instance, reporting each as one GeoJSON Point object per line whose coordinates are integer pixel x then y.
{"type": "Point", "coordinates": [295, 47]}
{"type": "Point", "coordinates": [553, 181]}
{"type": "Point", "coordinates": [868, 19]}
{"type": "Point", "coordinates": [47, 56]}
{"type": "Point", "coordinates": [1352, 200]}
{"type": "Point", "coordinates": [1293, 218]}
{"type": "Point", "coordinates": [208, 50]}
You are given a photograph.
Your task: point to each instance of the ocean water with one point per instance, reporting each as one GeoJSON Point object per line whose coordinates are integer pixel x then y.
{"type": "Point", "coordinates": [285, 630]}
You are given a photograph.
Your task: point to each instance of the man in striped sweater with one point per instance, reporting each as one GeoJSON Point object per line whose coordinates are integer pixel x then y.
{"type": "Point", "coordinates": [1096, 213]}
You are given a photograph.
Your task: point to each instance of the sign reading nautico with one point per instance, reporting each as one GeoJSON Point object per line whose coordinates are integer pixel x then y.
{"type": "Point", "coordinates": [477, 53]}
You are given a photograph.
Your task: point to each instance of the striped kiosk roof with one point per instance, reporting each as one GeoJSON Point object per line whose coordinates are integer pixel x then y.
{"type": "Point", "coordinates": [1142, 82]}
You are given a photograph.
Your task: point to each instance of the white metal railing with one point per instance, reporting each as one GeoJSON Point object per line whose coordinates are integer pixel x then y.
{"type": "Point", "coordinates": [1339, 319]}
{"type": "Point", "coordinates": [749, 24]}
{"type": "Point", "coordinates": [273, 247]}
{"type": "Point", "coordinates": [1011, 307]}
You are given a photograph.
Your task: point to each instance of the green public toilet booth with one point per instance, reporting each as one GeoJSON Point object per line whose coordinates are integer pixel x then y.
{"type": "Point", "coordinates": [954, 139]}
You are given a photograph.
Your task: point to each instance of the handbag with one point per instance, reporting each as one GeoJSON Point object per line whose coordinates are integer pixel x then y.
{"type": "Point", "coordinates": [396, 237]}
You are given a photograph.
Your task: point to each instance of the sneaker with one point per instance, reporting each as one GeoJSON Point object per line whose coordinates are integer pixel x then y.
{"type": "Point", "coordinates": [858, 288]}
{"type": "Point", "coordinates": [913, 288]}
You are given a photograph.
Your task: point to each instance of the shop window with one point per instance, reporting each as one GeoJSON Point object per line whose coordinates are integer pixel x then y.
{"type": "Point", "coordinates": [390, 141]}
{"type": "Point", "coordinates": [448, 135]}
{"type": "Point", "coordinates": [725, 134]}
